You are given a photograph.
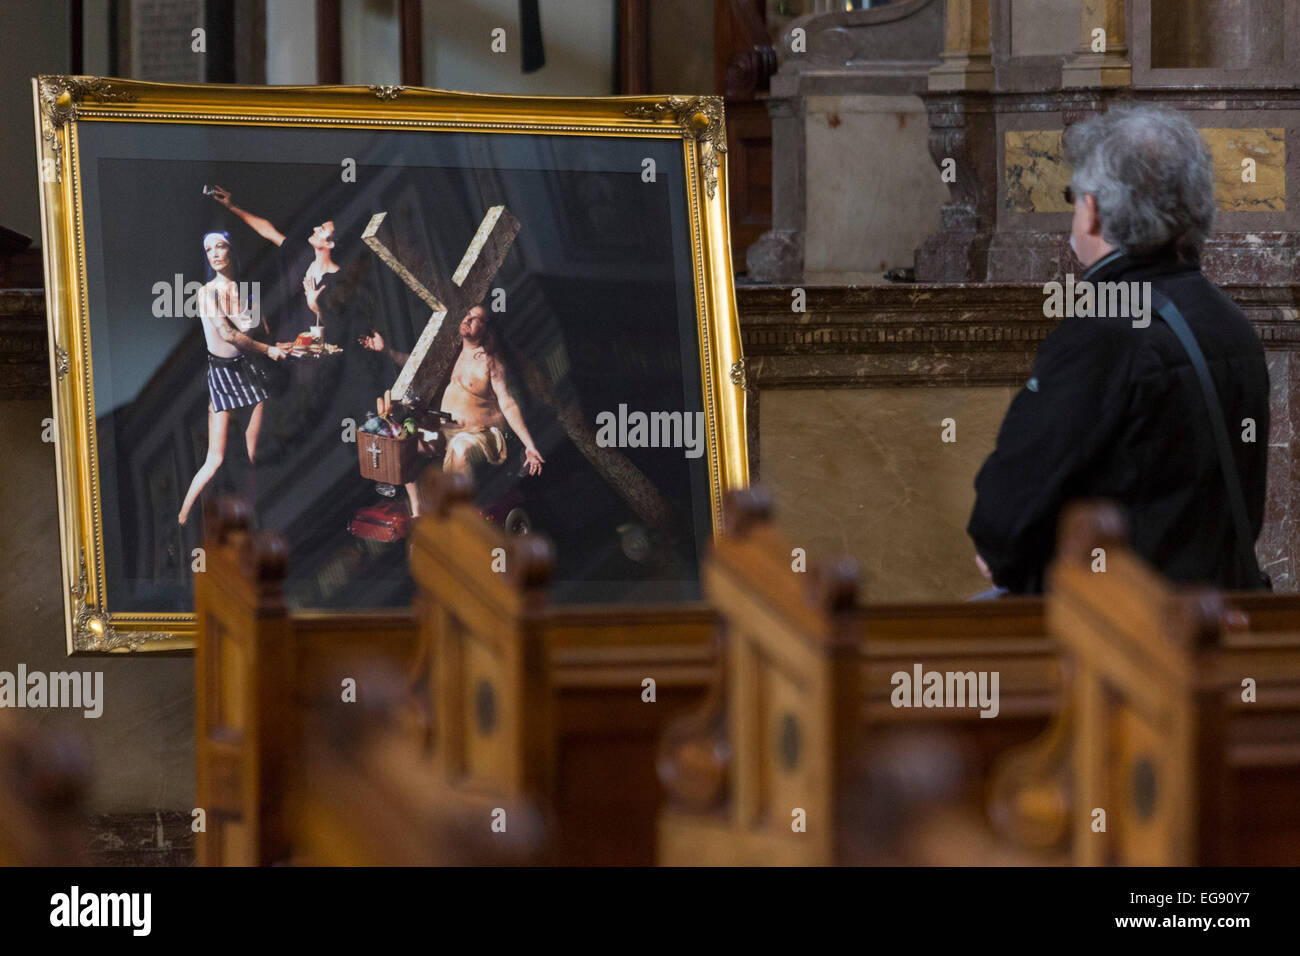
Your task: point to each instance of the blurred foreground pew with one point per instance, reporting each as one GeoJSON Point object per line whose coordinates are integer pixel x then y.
{"type": "Point", "coordinates": [539, 711]}
{"type": "Point", "coordinates": [1181, 720]}
{"type": "Point", "coordinates": [256, 668]}
{"type": "Point", "coordinates": [369, 795]}
{"type": "Point", "coordinates": [801, 756]}
{"type": "Point", "coordinates": [1184, 716]}
{"type": "Point", "coordinates": [543, 703]}
{"type": "Point", "coordinates": [44, 779]}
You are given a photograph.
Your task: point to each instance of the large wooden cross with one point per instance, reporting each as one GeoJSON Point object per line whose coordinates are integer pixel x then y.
{"type": "Point", "coordinates": [430, 364]}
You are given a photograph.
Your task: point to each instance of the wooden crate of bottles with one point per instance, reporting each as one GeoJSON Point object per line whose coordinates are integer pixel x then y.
{"type": "Point", "coordinates": [384, 458]}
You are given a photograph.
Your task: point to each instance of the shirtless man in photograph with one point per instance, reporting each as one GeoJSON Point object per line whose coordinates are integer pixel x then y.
{"type": "Point", "coordinates": [480, 400]}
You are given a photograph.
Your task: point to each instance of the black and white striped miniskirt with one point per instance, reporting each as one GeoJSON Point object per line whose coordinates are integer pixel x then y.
{"type": "Point", "coordinates": [232, 383]}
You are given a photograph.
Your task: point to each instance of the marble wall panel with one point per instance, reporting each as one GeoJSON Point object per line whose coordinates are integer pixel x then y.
{"type": "Point", "coordinates": [1267, 147]}
{"type": "Point", "coordinates": [865, 472]}
{"type": "Point", "coordinates": [1036, 172]}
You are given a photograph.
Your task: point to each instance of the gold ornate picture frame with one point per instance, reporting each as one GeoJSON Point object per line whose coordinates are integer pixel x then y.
{"type": "Point", "coordinates": [89, 130]}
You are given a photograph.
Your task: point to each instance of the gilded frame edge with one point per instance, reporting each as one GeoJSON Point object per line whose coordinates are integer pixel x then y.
{"type": "Point", "coordinates": [59, 101]}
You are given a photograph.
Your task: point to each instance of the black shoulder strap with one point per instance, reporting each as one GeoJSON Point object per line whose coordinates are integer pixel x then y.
{"type": "Point", "coordinates": [1231, 480]}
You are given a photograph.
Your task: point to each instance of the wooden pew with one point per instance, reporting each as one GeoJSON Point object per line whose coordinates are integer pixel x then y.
{"type": "Point", "coordinates": [531, 700]}
{"type": "Point", "coordinates": [803, 719]}
{"type": "Point", "coordinates": [256, 667]}
{"type": "Point", "coordinates": [44, 779]}
{"type": "Point", "coordinates": [537, 708]}
{"type": "Point", "coordinates": [369, 795]}
{"type": "Point", "coordinates": [1186, 770]}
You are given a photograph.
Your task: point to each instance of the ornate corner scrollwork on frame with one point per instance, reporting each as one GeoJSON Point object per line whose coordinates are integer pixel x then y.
{"type": "Point", "coordinates": [737, 374]}
{"type": "Point", "coordinates": [60, 97]}
{"type": "Point", "coordinates": [91, 630]}
{"type": "Point", "coordinates": [386, 92]}
{"type": "Point", "coordinates": [702, 119]}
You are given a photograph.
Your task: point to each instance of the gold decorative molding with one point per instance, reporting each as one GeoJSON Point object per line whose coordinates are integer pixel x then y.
{"type": "Point", "coordinates": [91, 628]}
{"type": "Point", "coordinates": [60, 97]}
{"type": "Point", "coordinates": [699, 117]}
{"type": "Point", "coordinates": [69, 107]}
{"type": "Point", "coordinates": [737, 374]}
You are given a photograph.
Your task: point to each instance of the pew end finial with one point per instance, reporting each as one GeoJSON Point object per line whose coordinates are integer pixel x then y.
{"type": "Point", "coordinates": [832, 586]}
{"type": "Point", "coordinates": [1198, 619]}
{"type": "Point", "coordinates": [444, 489]}
{"type": "Point", "coordinates": [1088, 524]}
{"type": "Point", "coordinates": [745, 508]}
{"type": "Point", "coordinates": [531, 561]}
{"type": "Point", "coordinates": [226, 516]}
{"type": "Point", "coordinates": [263, 562]}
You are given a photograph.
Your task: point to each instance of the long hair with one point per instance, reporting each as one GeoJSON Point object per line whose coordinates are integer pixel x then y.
{"type": "Point", "coordinates": [489, 340]}
{"type": "Point", "coordinates": [208, 271]}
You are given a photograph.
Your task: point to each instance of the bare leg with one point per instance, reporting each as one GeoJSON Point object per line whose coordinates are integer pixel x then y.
{"type": "Point", "coordinates": [413, 494]}
{"type": "Point", "coordinates": [218, 422]}
{"type": "Point", "coordinates": [253, 429]}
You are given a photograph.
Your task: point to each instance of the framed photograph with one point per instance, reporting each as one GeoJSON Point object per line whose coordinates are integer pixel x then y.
{"type": "Point", "coordinates": [307, 296]}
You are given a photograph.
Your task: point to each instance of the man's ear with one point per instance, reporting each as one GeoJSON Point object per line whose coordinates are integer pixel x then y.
{"type": "Point", "coordinates": [1094, 219]}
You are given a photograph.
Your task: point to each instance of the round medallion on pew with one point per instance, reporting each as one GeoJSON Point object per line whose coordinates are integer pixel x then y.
{"type": "Point", "coordinates": [789, 742]}
{"type": "Point", "coordinates": [485, 707]}
{"type": "Point", "coordinates": [1144, 788]}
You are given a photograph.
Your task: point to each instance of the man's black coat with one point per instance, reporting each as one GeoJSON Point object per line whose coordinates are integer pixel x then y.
{"type": "Point", "coordinates": [1114, 411]}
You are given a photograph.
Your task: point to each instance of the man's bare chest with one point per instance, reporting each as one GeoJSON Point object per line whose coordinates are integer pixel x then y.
{"type": "Point", "coordinates": [472, 374]}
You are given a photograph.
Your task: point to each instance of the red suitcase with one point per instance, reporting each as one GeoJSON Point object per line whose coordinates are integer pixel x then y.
{"type": "Point", "coordinates": [387, 521]}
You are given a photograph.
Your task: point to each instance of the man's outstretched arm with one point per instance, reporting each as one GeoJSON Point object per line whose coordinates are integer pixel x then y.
{"type": "Point", "coordinates": [510, 411]}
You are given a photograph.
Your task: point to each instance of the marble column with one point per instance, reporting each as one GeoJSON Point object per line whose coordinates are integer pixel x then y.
{"type": "Point", "coordinates": [852, 189]}
{"type": "Point", "coordinates": [967, 62]}
{"type": "Point", "coordinates": [1106, 68]}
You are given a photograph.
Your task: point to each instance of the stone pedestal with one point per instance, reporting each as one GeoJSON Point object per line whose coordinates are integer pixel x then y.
{"type": "Point", "coordinates": [852, 189]}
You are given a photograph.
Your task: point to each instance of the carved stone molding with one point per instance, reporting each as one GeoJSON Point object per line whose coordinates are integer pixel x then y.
{"type": "Point", "coordinates": [24, 345]}
{"type": "Point", "coordinates": [963, 129]}
{"type": "Point", "coordinates": [883, 49]}
{"type": "Point", "coordinates": [958, 335]}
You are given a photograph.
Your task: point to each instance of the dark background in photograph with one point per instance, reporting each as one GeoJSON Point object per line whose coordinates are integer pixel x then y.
{"type": "Point", "coordinates": [599, 300]}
